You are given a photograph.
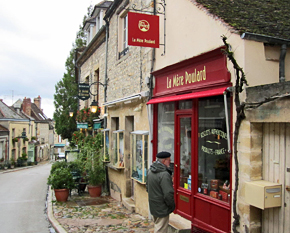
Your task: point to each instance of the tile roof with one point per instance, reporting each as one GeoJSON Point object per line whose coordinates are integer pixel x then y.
{"type": "Point", "coordinates": [7, 112]}
{"type": "Point", "coordinates": [2, 128]}
{"type": "Point", "coordinates": [266, 17]}
{"type": "Point", "coordinates": [38, 114]}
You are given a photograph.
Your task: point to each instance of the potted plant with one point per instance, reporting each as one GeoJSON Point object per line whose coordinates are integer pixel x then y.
{"type": "Point", "coordinates": [61, 180]}
{"type": "Point", "coordinates": [14, 140]}
{"type": "Point", "coordinates": [96, 175]}
{"type": "Point", "coordinates": [12, 162]}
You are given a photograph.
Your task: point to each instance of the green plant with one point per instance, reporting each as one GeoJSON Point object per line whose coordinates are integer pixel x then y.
{"type": "Point", "coordinates": [85, 115]}
{"type": "Point", "coordinates": [33, 138]}
{"type": "Point", "coordinates": [58, 164]}
{"type": "Point", "coordinates": [61, 178]}
{"type": "Point", "coordinates": [24, 156]}
{"type": "Point", "coordinates": [25, 139]}
{"type": "Point", "coordinates": [96, 170]}
{"type": "Point", "coordinates": [15, 140]}
{"type": "Point", "coordinates": [12, 161]}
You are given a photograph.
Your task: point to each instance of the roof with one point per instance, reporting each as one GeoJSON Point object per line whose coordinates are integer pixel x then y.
{"type": "Point", "coordinates": [2, 128]}
{"type": "Point", "coordinates": [9, 113]}
{"type": "Point", "coordinates": [38, 114]}
{"type": "Point", "coordinates": [266, 17]}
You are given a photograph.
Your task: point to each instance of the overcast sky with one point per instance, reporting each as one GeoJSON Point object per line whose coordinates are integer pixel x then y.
{"type": "Point", "coordinates": [35, 40]}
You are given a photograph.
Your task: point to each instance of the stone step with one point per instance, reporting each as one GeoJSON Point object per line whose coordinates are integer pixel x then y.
{"type": "Point", "coordinates": [178, 224]}
{"type": "Point", "coordinates": [129, 204]}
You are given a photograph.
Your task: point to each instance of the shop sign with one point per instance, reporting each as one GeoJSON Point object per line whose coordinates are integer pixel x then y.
{"type": "Point", "coordinates": [81, 125]}
{"type": "Point", "coordinates": [84, 91]}
{"type": "Point", "coordinates": [97, 125]}
{"type": "Point", "coordinates": [143, 30]}
{"type": "Point", "coordinates": [205, 70]}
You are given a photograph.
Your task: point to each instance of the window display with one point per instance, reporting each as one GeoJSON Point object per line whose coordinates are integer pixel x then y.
{"type": "Point", "coordinates": [106, 144]}
{"type": "Point", "coordinates": [139, 153]}
{"type": "Point", "coordinates": [118, 148]}
{"type": "Point", "coordinates": [213, 156]}
{"type": "Point", "coordinates": [166, 128]}
{"type": "Point", "coordinates": [185, 153]}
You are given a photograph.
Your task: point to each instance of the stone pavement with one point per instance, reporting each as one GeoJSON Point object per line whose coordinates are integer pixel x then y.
{"type": "Point", "coordinates": [82, 213]}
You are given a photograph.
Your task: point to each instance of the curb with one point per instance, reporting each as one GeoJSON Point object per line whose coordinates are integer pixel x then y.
{"type": "Point", "coordinates": [50, 215]}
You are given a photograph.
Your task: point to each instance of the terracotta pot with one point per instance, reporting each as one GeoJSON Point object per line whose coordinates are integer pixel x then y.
{"type": "Point", "coordinates": [61, 194]}
{"type": "Point", "coordinates": [95, 191]}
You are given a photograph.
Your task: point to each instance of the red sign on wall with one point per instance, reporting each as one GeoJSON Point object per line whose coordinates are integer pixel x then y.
{"type": "Point", "coordinates": [143, 30]}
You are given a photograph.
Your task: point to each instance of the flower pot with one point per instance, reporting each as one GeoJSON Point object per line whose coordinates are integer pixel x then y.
{"type": "Point", "coordinates": [95, 191]}
{"type": "Point", "coordinates": [61, 194]}
{"type": "Point", "coordinates": [82, 186]}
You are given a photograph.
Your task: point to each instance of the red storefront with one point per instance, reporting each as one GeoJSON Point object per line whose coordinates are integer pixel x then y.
{"type": "Point", "coordinates": [191, 120]}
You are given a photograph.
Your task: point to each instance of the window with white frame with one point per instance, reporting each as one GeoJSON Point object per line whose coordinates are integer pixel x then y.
{"type": "Point", "coordinates": [106, 145]}
{"type": "Point", "coordinates": [123, 34]}
{"type": "Point", "coordinates": [118, 148]}
{"type": "Point", "coordinates": [139, 155]}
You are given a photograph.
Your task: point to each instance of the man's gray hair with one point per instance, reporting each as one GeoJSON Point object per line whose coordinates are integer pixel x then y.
{"type": "Point", "coordinates": [160, 159]}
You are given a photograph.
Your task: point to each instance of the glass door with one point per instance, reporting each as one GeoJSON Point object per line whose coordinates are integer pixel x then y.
{"type": "Point", "coordinates": [183, 167]}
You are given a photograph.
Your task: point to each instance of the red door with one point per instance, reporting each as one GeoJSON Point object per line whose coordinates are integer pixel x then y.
{"type": "Point", "coordinates": [183, 171]}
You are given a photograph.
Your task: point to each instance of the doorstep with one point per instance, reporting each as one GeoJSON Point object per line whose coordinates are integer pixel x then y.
{"type": "Point", "coordinates": [129, 204]}
{"type": "Point", "coordinates": [178, 224]}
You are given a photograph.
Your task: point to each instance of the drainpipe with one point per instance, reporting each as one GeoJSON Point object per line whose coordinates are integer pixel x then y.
{"type": "Point", "coordinates": [106, 72]}
{"type": "Point", "coordinates": [282, 63]}
{"type": "Point", "coordinates": [153, 60]}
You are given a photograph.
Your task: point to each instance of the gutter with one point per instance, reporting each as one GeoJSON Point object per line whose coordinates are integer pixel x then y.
{"type": "Point", "coordinates": [273, 41]}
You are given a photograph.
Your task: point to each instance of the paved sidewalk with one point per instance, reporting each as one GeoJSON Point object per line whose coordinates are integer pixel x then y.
{"type": "Point", "coordinates": [86, 214]}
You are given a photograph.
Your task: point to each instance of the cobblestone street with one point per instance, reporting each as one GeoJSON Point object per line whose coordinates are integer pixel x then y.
{"type": "Point", "coordinates": [102, 214]}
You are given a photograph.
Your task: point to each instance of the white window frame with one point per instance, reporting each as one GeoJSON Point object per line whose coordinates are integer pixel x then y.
{"type": "Point", "coordinates": [123, 34]}
{"type": "Point", "coordinates": [118, 149]}
{"type": "Point", "coordinates": [134, 153]}
{"type": "Point", "coordinates": [106, 155]}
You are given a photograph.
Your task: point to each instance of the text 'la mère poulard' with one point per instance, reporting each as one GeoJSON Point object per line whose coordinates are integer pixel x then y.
{"type": "Point", "coordinates": [187, 78]}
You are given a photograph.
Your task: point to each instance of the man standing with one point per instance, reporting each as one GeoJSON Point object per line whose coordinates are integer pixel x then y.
{"type": "Point", "coordinates": [160, 192]}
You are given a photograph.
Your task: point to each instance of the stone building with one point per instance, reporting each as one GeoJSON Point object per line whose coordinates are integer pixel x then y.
{"type": "Point", "coordinates": [16, 124]}
{"type": "Point", "coordinates": [214, 94]}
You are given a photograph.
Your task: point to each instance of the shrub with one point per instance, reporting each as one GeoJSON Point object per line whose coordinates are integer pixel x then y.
{"type": "Point", "coordinates": [61, 178]}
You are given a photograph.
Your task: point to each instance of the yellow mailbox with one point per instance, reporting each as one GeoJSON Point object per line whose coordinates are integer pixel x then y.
{"type": "Point", "coordinates": [263, 194]}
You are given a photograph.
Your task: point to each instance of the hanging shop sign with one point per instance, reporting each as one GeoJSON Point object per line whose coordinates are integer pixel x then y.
{"type": "Point", "coordinates": [208, 69]}
{"type": "Point", "coordinates": [82, 125]}
{"type": "Point", "coordinates": [143, 30]}
{"type": "Point", "coordinates": [84, 91]}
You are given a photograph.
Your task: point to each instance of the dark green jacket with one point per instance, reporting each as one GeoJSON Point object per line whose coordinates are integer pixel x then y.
{"type": "Point", "coordinates": [160, 190]}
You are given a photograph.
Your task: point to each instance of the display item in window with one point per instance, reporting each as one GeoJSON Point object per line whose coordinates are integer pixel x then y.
{"type": "Point", "coordinates": [160, 191]}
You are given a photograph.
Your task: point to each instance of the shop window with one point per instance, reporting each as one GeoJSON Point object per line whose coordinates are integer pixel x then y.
{"type": "Point", "coordinates": [213, 156]}
{"type": "Point", "coordinates": [123, 34]}
{"type": "Point", "coordinates": [106, 145]}
{"type": "Point", "coordinates": [118, 148]}
{"type": "Point", "coordinates": [139, 155]}
{"type": "Point", "coordinates": [166, 128]}
{"type": "Point", "coordinates": [185, 104]}
{"type": "Point", "coordinates": [185, 153]}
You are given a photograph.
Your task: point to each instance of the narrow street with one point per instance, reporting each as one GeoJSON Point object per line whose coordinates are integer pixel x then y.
{"type": "Point", "coordinates": [23, 200]}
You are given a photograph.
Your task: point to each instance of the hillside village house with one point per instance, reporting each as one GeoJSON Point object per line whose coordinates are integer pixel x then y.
{"type": "Point", "coordinates": [214, 94]}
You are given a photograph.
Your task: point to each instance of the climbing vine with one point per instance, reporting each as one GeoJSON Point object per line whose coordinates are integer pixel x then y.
{"type": "Point", "coordinates": [240, 82]}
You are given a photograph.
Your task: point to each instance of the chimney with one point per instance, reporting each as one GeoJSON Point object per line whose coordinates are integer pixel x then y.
{"type": "Point", "coordinates": [26, 106]}
{"type": "Point", "coordinates": [37, 102]}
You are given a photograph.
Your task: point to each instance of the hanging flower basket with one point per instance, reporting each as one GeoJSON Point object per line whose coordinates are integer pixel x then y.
{"type": "Point", "coordinates": [15, 140]}
{"type": "Point", "coordinates": [86, 116]}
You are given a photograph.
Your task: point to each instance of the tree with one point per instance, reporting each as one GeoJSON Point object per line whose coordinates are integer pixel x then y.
{"type": "Point", "coordinates": [66, 90]}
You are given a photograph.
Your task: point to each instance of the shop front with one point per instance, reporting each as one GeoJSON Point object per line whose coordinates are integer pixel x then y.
{"type": "Point", "coordinates": [191, 120]}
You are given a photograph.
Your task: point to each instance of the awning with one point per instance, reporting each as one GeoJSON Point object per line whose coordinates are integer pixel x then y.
{"type": "Point", "coordinates": [194, 95]}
